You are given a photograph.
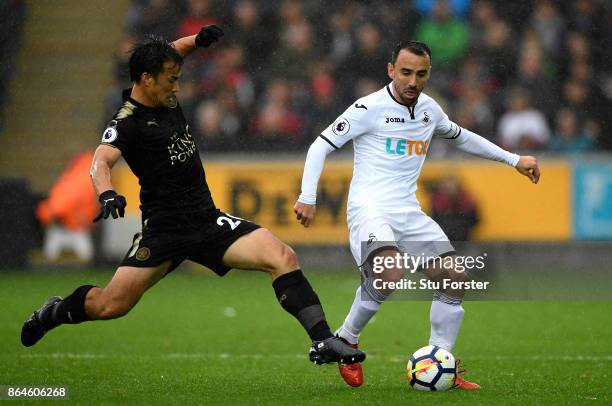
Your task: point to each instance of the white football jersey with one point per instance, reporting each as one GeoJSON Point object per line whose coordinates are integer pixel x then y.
{"type": "Point", "coordinates": [390, 143]}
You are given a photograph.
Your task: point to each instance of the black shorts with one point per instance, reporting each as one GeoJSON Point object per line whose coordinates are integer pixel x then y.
{"type": "Point", "coordinates": [203, 241]}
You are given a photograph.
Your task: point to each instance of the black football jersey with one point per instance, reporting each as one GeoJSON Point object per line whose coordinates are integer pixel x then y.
{"type": "Point", "coordinates": [161, 152]}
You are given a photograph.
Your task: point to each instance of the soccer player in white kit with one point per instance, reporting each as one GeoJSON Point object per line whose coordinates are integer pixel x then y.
{"type": "Point", "coordinates": [391, 131]}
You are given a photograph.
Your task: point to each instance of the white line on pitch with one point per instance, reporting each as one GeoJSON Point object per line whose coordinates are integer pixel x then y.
{"type": "Point", "coordinates": [223, 355]}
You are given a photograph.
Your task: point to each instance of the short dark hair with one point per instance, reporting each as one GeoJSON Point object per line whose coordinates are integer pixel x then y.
{"type": "Point", "coordinates": [150, 57]}
{"type": "Point", "coordinates": [416, 47]}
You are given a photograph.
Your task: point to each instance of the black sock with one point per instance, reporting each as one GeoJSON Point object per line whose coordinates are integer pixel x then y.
{"type": "Point", "coordinates": [71, 310]}
{"type": "Point", "coordinates": [297, 297]}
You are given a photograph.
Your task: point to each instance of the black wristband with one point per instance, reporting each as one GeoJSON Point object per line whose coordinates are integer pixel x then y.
{"type": "Point", "coordinates": [109, 194]}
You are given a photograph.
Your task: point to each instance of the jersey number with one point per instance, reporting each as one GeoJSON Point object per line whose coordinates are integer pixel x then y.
{"type": "Point", "coordinates": [233, 222]}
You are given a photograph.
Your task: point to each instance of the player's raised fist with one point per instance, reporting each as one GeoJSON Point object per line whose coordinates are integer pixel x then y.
{"type": "Point", "coordinates": [208, 35]}
{"type": "Point", "coordinates": [528, 166]}
{"type": "Point", "coordinates": [304, 212]}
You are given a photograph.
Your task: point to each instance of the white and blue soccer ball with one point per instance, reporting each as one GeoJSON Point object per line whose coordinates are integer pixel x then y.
{"type": "Point", "coordinates": [431, 368]}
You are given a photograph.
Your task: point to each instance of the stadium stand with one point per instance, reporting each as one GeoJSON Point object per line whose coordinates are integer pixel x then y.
{"type": "Point", "coordinates": [274, 84]}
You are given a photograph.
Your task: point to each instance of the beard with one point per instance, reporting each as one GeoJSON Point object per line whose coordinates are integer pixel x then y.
{"type": "Point", "coordinates": [408, 95]}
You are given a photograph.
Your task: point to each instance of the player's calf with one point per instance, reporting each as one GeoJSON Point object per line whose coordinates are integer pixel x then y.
{"type": "Point", "coordinates": [296, 296]}
{"type": "Point", "coordinates": [102, 305]}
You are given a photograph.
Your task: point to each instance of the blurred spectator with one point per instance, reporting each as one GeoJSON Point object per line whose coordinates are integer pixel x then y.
{"type": "Point", "coordinates": [472, 74]}
{"type": "Point", "coordinates": [531, 75]}
{"type": "Point", "coordinates": [585, 102]}
{"type": "Point", "coordinates": [232, 76]}
{"type": "Point", "coordinates": [342, 39]}
{"type": "Point", "coordinates": [515, 13]}
{"type": "Point", "coordinates": [474, 113]}
{"type": "Point", "coordinates": [454, 209]}
{"type": "Point", "coordinates": [548, 24]}
{"type": "Point", "coordinates": [522, 126]}
{"type": "Point", "coordinates": [69, 210]}
{"type": "Point", "coordinates": [365, 86]}
{"type": "Point", "coordinates": [576, 48]}
{"type": "Point", "coordinates": [471, 88]}
{"type": "Point", "coordinates": [277, 125]}
{"type": "Point", "coordinates": [446, 35]}
{"type": "Point", "coordinates": [219, 124]}
{"type": "Point", "coordinates": [605, 62]}
{"type": "Point", "coordinates": [12, 15]}
{"type": "Point", "coordinates": [398, 20]}
{"type": "Point", "coordinates": [121, 74]}
{"type": "Point", "coordinates": [246, 30]}
{"type": "Point", "coordinates": [592, 130]}
{"type": "Point", "coordinates": [499, 53]}
{"type": "Point", "coordinates": [367, 64]}
{"type": "Point", "coordinates": [483, 14]}
{"type": "Point", "coordinates": [325, 104]}
{"type": "Point", "coordinates": [199, 14]}
{"type": "Point", "coordinates": [153, 17]}
{"type": "Point", "coordinates": [200, 66]}
{"type": "Point", "coordinates": [296, 51]}
{"type": "Point", "coordinates": [567, 136]}
{"type": "Point", "coordinates": [588, 18]}
{"type": "Point", "coordinates": [122, 59]}
{"type": "Point", "coordinates": [582, 72]}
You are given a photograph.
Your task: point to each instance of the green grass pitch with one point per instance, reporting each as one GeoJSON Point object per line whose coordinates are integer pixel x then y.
{"type": "Point", "coordinates": [199, 339]}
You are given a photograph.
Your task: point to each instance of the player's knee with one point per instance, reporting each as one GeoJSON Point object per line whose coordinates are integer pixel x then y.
{"type": "Point", "coordinates": [284, 261]}
{"type": "Point", "coordinates": [288, 259]}
{"type": "Point", "coordinates": [393, 275]}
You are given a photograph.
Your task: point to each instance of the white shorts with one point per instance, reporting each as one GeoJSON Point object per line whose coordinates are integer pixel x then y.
{"type": "Point", "coordinates": [411, 231]}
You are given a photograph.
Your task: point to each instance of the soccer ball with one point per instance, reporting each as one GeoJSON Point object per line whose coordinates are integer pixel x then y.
{"type": "Point", "coordinates": [431, 368]}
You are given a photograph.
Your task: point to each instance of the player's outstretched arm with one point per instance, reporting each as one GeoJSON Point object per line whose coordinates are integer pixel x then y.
{"type": "Point", "coordinates": [528, 166]}
{"type": "Point", "coordinates": [474, 144]}
{"type": "Point", "coordinates": [203, 39]}
{"type": "Point", "coordinates": [305, 207]}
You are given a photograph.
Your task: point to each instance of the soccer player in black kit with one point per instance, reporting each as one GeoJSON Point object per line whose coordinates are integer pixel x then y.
{"type": "Point", "coordinates": [179, 218]}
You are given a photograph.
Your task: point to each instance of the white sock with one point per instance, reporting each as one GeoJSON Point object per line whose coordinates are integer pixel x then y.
{"type": "Point", "coordinates": [360, 314]}
{"type": "Point", "coordinates": [445, 316]}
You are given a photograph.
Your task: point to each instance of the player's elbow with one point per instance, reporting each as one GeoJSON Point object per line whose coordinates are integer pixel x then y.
{"type": "Point", "coordinates": [99, 167]}
{"type": "Point", "coordinates": [92, 170]}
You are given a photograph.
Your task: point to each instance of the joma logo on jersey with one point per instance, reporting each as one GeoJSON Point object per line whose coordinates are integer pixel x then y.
{"type": "Point", "coordinates": [394, 120]}
{"type": "Point", "coordinates": [405, 147]}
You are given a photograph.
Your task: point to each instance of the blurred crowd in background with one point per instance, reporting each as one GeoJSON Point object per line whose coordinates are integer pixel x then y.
{"type": "Point", "coordinates": [529, 75]}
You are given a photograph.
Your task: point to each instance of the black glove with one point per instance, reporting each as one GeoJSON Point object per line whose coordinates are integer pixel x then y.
{"type": "Point", "coordinates": [111, 203]}
{"type": "Point", "coordinates": [208, 35]}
